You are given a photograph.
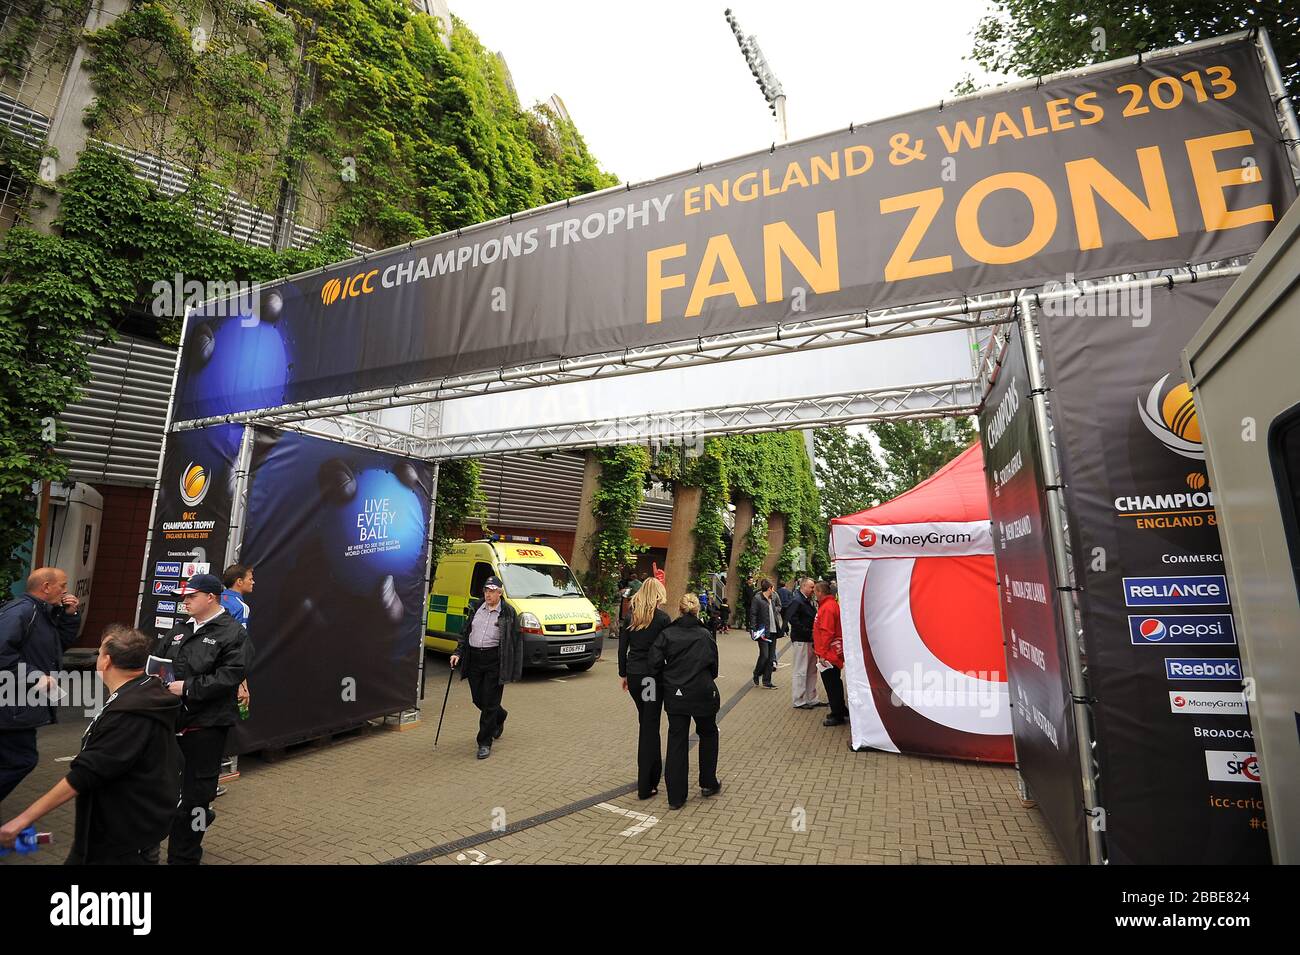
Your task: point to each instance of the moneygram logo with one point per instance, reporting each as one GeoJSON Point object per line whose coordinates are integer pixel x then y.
{"type": "Point", "coordinates": [867, 537]}
{"type": "Point", "coordinates": [1207, 703]}
{"type": "Point", "coordinates": [1170, 415]}
{"type": "Point", "coordinates": [1232, 767]}
{"type": "Point", "coordinates": [353, 287]}
{"type": "Point", "coordinates": [194, 484]}
{"type": "Point", "coordinates": [1176, 591]}
{"type": "Point", "coordinates": [1214, 628]}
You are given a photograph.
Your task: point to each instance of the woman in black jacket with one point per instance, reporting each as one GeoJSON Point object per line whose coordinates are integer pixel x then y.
{"type": "Point", "coordinates": [686, 657]}
{"type": "Point", "coordinates": [644, 625]}
{"type": "Point", "coordinates": [765, 617]}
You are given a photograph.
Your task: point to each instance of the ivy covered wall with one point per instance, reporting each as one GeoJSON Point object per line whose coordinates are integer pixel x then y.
{"type": "Point", "coordinates": [384, 133]}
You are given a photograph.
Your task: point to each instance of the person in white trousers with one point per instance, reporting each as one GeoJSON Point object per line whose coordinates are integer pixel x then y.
{"type": "Point", "coordinates": [803, 680]}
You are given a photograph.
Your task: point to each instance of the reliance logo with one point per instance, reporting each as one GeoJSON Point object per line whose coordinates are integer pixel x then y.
{"type": "Point", "coordinates": [1202, 591]}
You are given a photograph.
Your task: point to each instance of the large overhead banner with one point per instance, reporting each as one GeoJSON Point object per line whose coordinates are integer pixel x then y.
{"type": "Point", "coordinates": [1179, 776]}
{"type": "Point", "coordinates": [1124, 169]}
{"type": "Point", "coordinates": [338, 538]}
{"type": "Point", "coordinates": [1042, 714]}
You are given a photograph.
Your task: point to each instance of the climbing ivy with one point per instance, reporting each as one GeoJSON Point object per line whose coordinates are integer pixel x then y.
{"type": "Point", "coordinates": [617, 497]}
{"type": "Point", "coordinates": [249, 99]}
{"type": "Point", "coordinates": [459, 497]}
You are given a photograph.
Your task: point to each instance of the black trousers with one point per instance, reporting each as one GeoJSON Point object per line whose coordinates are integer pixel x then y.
{"type": "Point", "coordinates": [485, 688]}
{"type": "Point", "coordinates": [649, 714]}
{"type": "Point", "coordinates": [766, 664]}
{"type": "Point", "coordinates": [17, 759]}
{"type": "Point", "coordinates": [201, 749]}
{"type": "Point", "coordinates": [833, 680]}
{"type": "Point", "coordinates": [677, 768]}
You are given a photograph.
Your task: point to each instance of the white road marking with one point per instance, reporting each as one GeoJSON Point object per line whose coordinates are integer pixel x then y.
{"type": "Point", "coordinates": [645, 820]}
{"type": "Point", "coordinates": [556, 679]}
{"type": "Point", "coordinates": [64, 759]}
{"type": "Point", "coordinates": [480, 858]}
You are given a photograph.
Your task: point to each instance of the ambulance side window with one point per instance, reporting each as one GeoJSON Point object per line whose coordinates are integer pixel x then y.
{"type": "Point", "coordinates": [482, 572]}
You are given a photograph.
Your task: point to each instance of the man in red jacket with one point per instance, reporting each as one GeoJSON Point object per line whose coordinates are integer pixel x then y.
{"type": "Point", "coordinates": [828, 644]}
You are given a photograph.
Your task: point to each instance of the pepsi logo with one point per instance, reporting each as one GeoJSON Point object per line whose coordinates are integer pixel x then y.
{"type": "Point", "coordinates": [867, 537]}
{"type": "Point", "coordinates": [1152, 629]}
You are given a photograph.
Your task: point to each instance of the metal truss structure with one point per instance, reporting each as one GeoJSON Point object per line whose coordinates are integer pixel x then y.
{"type": "Point", "coordinates": [353, 419]}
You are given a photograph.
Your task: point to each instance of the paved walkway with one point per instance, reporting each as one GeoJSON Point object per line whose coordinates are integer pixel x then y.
{"type": "Point", "coordinates": [792, 789]}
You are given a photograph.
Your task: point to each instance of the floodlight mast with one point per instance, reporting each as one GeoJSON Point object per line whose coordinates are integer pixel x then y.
{"type": "Point", "coordinates": [763, 75]}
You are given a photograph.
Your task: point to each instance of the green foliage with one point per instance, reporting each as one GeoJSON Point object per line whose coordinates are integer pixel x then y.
{"type": "Point", "coordinates": [1037, 37]}
{"type": "Point", "coordinates": [850, 475]}
{"type": "Point", "coordinates": [914, 450]}
{"type": "Point", "coordinates": [615, 502]}
{"type": "Point", "coordinates": [250, 102]}
{"type": "Point", "coordinates": [459, 497]}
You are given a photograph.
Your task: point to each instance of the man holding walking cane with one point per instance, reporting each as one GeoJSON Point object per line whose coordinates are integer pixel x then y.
{"type": "Point", "coordinates": [492, 647]}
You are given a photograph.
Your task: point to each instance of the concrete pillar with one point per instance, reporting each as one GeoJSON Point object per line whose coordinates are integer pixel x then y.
{"type": "Point", "coordinates": [68, 134]}
{"type": "Point", "coordinates": [681, 543]}
{"type": "Point", "coordinates": [739, 533]}
{"type": "Point", "coordinates": [775, 541]}
{"type": "Point", "coordinates": [581, 561]}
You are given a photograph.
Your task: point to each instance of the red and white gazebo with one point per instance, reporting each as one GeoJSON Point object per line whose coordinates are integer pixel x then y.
{"type": "Point", "coordinates": [924, 664]}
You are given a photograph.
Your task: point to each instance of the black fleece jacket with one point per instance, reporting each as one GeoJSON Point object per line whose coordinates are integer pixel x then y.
{"type": "Point", "coordinates": [128, 773]}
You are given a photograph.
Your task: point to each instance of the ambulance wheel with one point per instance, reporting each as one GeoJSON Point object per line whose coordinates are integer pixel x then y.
{"type": "Point", "coordinates": [581, 667]}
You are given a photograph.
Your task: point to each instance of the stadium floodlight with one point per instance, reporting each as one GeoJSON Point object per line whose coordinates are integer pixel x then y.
{"type": "Point", "coordinates": [762, 71]}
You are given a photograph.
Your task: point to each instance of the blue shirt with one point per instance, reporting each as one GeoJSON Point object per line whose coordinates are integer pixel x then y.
{"type": "Point", "coordinates": [235, 606]}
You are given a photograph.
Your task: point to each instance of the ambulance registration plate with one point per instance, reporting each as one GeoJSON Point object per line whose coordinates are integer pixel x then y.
{"type": "Point", "coordinates": [572, 648]}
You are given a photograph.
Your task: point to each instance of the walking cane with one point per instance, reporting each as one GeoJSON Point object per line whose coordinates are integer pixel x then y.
{"type": "Point", "coordinates": [450, 676]}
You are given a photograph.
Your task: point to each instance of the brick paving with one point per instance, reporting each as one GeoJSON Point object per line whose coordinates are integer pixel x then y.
{"type": "Point", "coordinates": [792, 790]}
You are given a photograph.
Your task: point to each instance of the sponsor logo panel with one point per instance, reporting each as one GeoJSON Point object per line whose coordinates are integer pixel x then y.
{"type": "Point", "coordinates": [164, 623]}
{"type": "Point", "coordinates": [1227, 766]}
{"type": "Point", "coordinates": [1207, 702]}
{"type": "Point", "coordinates": [1212, 628]}
{"type": "Point", "coordinates": [167, 568]}
{"type": "Point", "coordinates": [1203, 668]}
{"type": "Point", "coordinates": [165, 586]}
{"type": "Point", "coordinates": [1199, 591]}
{"type": "Point", "coordinates": [165, 606]}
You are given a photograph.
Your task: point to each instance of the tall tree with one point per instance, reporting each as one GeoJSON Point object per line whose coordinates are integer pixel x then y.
{"type": "Point", "coordinates": [1036, 37]}
{"type": "Point", "coordinates": [850, 475]}
{"type": "Point", "coordinates": [913, 450]}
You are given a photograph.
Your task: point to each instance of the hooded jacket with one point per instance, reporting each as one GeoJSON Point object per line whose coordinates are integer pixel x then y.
{"type": "Point", "coordinates": [34, 634]}
{"type": "Point", "coordinates": [128, 773]}
{"type": "Point", "coordinates": [686, 657]}
{"type": "Point", "coordinates": [212, 660]}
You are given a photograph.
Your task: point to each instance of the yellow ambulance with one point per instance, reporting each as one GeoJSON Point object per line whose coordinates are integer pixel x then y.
{"type": "Point", "coordinates": [559, 624]}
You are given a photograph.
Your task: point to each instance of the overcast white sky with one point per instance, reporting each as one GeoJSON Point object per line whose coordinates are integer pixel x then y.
{"type": "Point", "coordinates": [657, 87]}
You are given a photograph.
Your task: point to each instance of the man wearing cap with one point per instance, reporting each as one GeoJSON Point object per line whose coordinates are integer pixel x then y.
{"type": "Point", "coordinates": [492, 647]}
{"type": "Point", "coordinates": [210, 655]}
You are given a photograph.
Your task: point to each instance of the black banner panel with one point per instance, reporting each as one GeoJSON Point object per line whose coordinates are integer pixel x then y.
{"type": "Point", "coordinates": [338, 539]}
{"type": "Point", "coordinates": [1128, 168]}
{"type": "Point", "coordinates": [191, 525]}
{"type": "Point", "coordinates": [1047, 751]}
{"type": "Point", "coordinates": [1179, 772]}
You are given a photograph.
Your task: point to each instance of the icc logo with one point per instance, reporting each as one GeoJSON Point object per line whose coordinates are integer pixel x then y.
{"type": "Point", "coordinates": [867, 537]}
{"type": "Point", "coordinates": [1172, 419]}
{"type": "Point", "coordinates": [194, 484]}
{"type": "Point", "coordinates": [358, 284]}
